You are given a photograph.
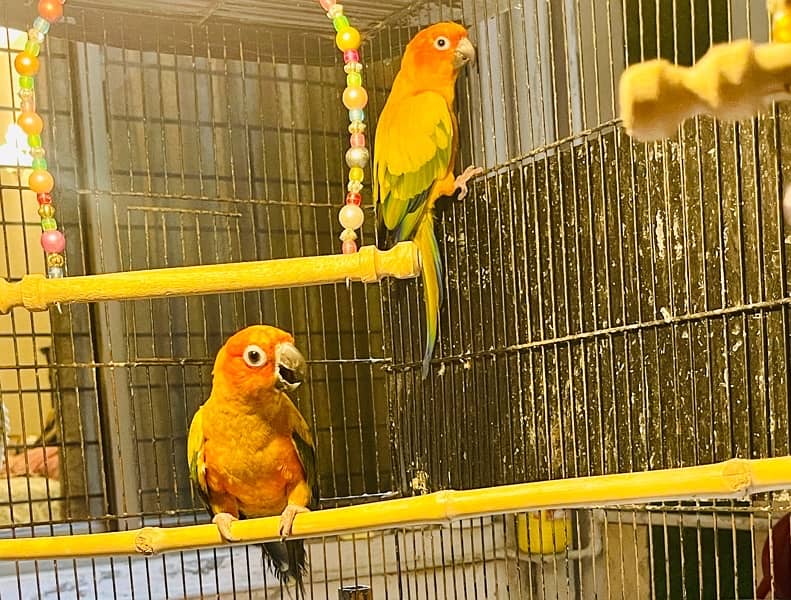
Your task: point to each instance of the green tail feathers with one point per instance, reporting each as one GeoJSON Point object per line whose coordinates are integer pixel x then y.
{"type": "Point", "coordinates": [426, 242]}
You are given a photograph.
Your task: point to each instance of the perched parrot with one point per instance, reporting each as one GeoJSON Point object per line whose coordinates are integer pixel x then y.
{"type": "Point", "coordinates": [249, 449]}
{"type": "Point", "coordinates": [415, 148]}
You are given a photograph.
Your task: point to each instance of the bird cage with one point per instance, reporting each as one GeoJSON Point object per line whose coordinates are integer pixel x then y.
{"type": "Point", "coordinates": [606, 413]}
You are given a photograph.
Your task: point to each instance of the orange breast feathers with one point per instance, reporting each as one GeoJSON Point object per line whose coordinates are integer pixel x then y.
{"type": "Point", "coordinates": [252, 465]}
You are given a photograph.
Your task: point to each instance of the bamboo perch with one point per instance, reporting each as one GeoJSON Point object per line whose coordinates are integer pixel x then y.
{"type": "Point", "coordinates": [735, 478]}
{"type": "Point", "coordinates": [36, 293]}
{"type": "Point", "coordinates": [732, 81]}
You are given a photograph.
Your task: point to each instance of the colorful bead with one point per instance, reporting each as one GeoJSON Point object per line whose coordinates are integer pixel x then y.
{"type": "Point", "coordinates": [34, 140]}
{"type": "Point", "coordinates": [354, 198]}
{"type": "Point", "coordinates": [355, 186]}
{"type": "Point", "coordinates": [26, 82]}
{"type": "Point", "coordinates": [355, 98]}
{"type": "Point", "coordinates": [46, 211]}
{"type": "Point", "coordinates": [34, 35]}
{"type": "Point", "coordinates": [354, 80]}
{"type": "Point", "coordinates": [41, 181]}
{"type": "Point", "coordinates": [41, 25]}
{"type": "Point", "coordinates": [357, 114]}
{"type": "Point", "coordinates": [348, 39]}
{"type": "Point", "coordinates": [351, 216]}
{"type": "Point", "coordinates": [352, 67]}
{"type": "Point", "coordinates": [37, 152]}
{"type": "Point", "coordinates": [49, 224]}
{"type": "Point", "coordinates": [33, 48]}
{"type": "Point", "coordinates": [51, 10]}
{"type": "Point", "coordinates": [351, 56]}
{"type": "Point", "coordinates": [357, 140]}
{"type": "Point", "coordinates": [356, 127]}
{"type": "Point", "coordinates": [40, 163]}
{"type": "Point", "coordinates": [781, 26]}
{"type": "Point", "coordinates": [356, 174]}
{"type": "Point", "coordinates": [30, 123]}
{"type": "Point", "coordinates": [44, 198]}
{"type": "Point", "coordinates": [28, 105]}
{"type": "Point", "coordinates": [340, 22]}
{"type": "Point", "coordinates": [26, 95]}
{"type": "Point", "coordinates": [347, 234]}
{"type": "Point", "coordinates": [55, 260]}
{"type": "Point", "coordinates": [327, 4]}
{"type": "Point", "coordinates": [349, 247]}
{"type": "Point", "coordinates": [357, 157]}
{"type": "Point", "coordinates": [26, 64]}
{"type": "Point", "coordinates": [335, 11]}
{"type": "Point", "coordinates": [55, 272]}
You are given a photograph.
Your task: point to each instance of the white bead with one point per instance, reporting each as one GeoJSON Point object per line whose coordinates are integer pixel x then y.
{"type": "Point", "coordinates": [335, 11]}
{"type": "Point", "coordinates": [355, 186]}
{"type": "Point", "coordinates": [357, 157]}
{"type": "Point", "coordinates": [351, 216]}
{"type": "Point", "coordinates": [348, 235]}
{"type": "Point", "coordinates": [353, 67]}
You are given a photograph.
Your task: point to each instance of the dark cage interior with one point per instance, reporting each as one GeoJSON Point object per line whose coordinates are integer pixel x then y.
{"type": "Point", "coordinates": [609, 306]}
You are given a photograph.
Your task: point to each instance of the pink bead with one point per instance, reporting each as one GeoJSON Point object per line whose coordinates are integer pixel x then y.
{"type": "Point", "coordinates": [351, 56]}
{"type": "Point", "coordinates": [53, 242]}
{"type": "Point", "coordinates": [349, 247]}
{"type": "Point", "coordinates": [327, 4]}
{"type": "Point", "coordinates": [357, 140]}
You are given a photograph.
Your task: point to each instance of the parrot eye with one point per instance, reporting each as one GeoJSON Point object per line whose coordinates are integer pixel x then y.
{"type": "Point", "coordinates": [442, 43]}
{"type": "Point", "coordinates": [254, 356]}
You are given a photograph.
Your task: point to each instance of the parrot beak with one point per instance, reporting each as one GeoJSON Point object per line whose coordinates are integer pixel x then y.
{"type": "Point", "coordinates": [465, 53]}
{"type": "Point", "coordinates": [290, 367]}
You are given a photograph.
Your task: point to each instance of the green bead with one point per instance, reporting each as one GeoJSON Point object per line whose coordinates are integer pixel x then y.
{"type": "Point", "coordinates": [340, 22]}
{"type": "Point", "coordinates": [26, 82]}
{"type": "Point", "coordinates": [49, 224]}
{"type": "Point", "coordinates": [40, 163]}
{"type": "Point", "coordinates": [32, 47]}
{"type": "Point", "coordinates": [34, 141]}
{"type": "Point", "coordinates": [354, 80]}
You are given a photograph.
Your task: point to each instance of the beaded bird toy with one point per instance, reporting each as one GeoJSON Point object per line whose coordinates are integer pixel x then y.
{"type": "Point", "coordinates": [41, 181]}
{"type": "Point", "coordinates": [355, 98]}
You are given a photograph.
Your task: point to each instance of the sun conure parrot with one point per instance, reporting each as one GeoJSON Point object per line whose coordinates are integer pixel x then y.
{"type": "Point", "coordinates": [249, 449]}
{"type": "Point", "coordinates": [415, 148]}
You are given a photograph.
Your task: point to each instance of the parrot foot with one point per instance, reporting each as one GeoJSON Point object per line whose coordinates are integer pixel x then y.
{"type": "Point", "coordinates": [461, 181]}
{"type": "Point", "coordinates": [287, 518]}
{"type": "Point", "coordinates": [223, 522]}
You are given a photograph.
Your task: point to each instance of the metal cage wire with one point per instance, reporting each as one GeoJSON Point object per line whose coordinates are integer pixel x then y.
{"type": "Point", "coordinates": [610, 306]}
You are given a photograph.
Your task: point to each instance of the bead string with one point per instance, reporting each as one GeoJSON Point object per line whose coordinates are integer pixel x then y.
{"type": "Point", "coordinates": [355, 99]}
{"type": "Point", "coordinates": [40, 181]}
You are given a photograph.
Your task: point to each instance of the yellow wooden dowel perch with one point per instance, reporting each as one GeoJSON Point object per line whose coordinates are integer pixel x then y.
{"type": "Point", "coordinates": [36, 293]}
{"type": "Point", "coordinates": [732, 82]}
{"type": "Point", "coordinates": [731, 479]}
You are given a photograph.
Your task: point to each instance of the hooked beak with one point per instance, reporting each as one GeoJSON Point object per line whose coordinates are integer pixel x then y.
{"type": "Point", "coordinates": [464, 53]}
{"type": "Point", "coordinates": [290, 367]}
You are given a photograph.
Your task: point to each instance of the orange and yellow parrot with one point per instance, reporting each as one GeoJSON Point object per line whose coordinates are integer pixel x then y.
{"type": "Point", "coordinates": [249, 449]}
{"type": "Point", "coordinates": [417, 140]}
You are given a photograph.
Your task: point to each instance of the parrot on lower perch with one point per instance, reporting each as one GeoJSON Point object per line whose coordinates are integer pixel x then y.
{"type": "Point", "coordinates": [415, 148]}
{"type": "Point", "coordinates": [250, 451]}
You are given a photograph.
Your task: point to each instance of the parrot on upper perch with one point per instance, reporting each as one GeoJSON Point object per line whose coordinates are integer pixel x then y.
{"type": "Point", "coordinates": [249, 449]}
{"type": "Point", "coordinates": [415, 149]}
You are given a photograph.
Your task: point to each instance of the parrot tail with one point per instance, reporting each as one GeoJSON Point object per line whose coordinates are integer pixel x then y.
{"type": "Point", "coordinates": [287, 560]}
{"type": "Point", "coordinates": [431, 269]}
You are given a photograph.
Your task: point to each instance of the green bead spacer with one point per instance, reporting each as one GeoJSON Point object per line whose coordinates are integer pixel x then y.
{"type": "Point", "coordinates": [340, 22]}
{"type": "Point", "coordinates": [40, 163]}
{"type": "Point", "coordinates": [354, 80]}
{"type": "Point", "coordinates": [33, 48]}
{"type": "Point", "coordinates": [49, 224]}
{"type": "Point", "coordinates": [26, 82]}
{"type": "Point", "coordinates": [34, 140]}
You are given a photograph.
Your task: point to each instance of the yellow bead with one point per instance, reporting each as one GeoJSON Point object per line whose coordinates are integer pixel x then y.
{"type": "Point", "coordinates": [46, 211]}
{"type": "Point", "coordinates": [781, 27]}
{"type": "Point", "coordinates": [348, 39]}
{"type": "Point", "coordinates": [356, 174]}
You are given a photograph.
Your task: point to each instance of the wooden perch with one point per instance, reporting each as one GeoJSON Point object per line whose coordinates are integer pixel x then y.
{"type": "Point", "coordinates": [369, 265]}
{"type": "Point", "coordinates": [732, 82]}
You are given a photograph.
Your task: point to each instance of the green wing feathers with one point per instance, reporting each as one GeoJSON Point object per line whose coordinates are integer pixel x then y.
{"type": "Point", "coordinates": [307, 456]}
{"type": "Point", "coordinates": [431, 269]}
{"type": "Point", "coordinates": [197, 465]}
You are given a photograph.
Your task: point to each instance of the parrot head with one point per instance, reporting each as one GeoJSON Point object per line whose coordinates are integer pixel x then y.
{"type": "Point", "coordinates": [260, 358]}
{"type": "Point", "coordinates": [437, 53]}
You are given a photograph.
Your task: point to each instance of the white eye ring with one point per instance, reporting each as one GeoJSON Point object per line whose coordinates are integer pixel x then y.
{"type": "Point", "coordinates": [254, 357]}
{"type": "Point", "coordinates": [442, 43]}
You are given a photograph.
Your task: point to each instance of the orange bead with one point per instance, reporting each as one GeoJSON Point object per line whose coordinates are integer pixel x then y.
{"type": "Point", "coordinates": [781, 27]}
{"type": "Point", "coordinates": [41, 181]}
{"type": "Point", "coordinates": [26, 64]}
{"type": "Point", "coordinates": [51, 10]}
{"type": "Point", "coordinates": [30, 123]}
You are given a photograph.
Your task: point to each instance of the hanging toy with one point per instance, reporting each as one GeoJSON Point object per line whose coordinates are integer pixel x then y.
{"type": "Point", "coordinates": [40, 181]}
{"type": "Point", "coordinates": [355, 99]}
{"type": "Point", "coordinates": [780, 11]}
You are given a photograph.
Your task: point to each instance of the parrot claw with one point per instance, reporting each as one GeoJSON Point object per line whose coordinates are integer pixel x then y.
{"type": "Point", "coordinates": [287, 518]}
{"type": "Point", "coordinates": [461, 180]}
{"type": "Point", "coordinates": [223, 522]}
